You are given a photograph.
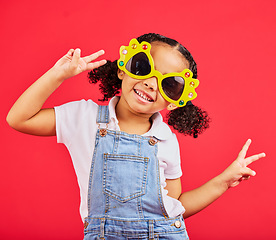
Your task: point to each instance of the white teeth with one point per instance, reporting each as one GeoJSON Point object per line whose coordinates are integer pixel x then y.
{"type": "Point", "coordinates": [142, 96]}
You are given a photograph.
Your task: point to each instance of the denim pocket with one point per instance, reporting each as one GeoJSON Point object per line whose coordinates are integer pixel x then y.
{"type": "Point", "coordinates": [124, 176]}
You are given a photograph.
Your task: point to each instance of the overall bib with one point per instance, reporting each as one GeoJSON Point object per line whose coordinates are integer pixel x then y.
{"type": "Point", "coordinates": [124, 198]}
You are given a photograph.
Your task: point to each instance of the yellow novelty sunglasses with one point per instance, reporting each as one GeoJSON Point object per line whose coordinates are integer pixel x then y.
{"type": "Point", "coordinates": [136, 61]}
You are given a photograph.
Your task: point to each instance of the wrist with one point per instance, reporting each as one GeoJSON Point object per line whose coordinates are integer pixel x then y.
{"type": "Point", "coordinates": [58, 74]}
{"type": "Point", "coordinates": [221, 183]}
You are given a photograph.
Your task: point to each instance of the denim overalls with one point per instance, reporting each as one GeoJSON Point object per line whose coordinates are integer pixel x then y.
{"type": "Point", "coordinates": [124, 198]}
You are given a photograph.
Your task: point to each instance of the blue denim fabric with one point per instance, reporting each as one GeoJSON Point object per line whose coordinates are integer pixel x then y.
{"type": "Point", "coordinates": [124, 198]}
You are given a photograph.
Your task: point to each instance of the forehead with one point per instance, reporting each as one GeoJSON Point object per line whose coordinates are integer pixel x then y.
{"type": "Point", "coordinates": [167, 59]}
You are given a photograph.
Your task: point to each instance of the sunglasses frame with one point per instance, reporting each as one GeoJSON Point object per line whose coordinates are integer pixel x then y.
{"type": "Point", "coordinates": [134, 47]}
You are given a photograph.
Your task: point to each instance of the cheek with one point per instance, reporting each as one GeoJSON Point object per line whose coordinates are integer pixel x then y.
{"type": "Point", "coordinates": [126, 84]}
{"type": "Point", "coordinates": [162, 100]}
{"type": "Point", "coordinates": [129, 82]}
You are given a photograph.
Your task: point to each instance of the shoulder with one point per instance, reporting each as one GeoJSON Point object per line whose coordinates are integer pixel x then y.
{"type": "Point", "coordinates": [81, 105]}
{"type": "Point", "coordinates": [75, 120]}
{"type": "Point", "coordinates": [160, 129]}
{"type": "Point", "coordinates": [76, 112]}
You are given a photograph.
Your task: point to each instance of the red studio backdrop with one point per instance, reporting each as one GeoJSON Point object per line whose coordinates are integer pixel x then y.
{"type": "Point", "coordinates": [233, 43]}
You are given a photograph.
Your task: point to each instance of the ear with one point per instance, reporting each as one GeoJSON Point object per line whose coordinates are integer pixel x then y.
{"type": "Point", "coordinates": [120, 74]}
{"type": "Point", "coordinates": [171, 106]}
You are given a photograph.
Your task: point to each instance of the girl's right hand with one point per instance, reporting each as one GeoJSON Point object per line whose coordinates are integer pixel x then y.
{"type": "Point", "coordinates": [27, 114]}
{"type": "Point", "coordinates": [72, 63]}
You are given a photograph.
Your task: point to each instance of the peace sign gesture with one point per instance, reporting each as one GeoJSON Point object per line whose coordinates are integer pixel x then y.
{"type": "Point", "coordinates": [239, 170]}
{"type": "Point", "coordinates": [72, 63]}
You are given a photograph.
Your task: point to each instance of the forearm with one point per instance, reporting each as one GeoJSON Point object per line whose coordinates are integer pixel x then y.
{"type": "Point", "coordinates": [196, 200]}
{"type": "Point", "coordinates": [26, 114]}
{"type": "Point", "coordinates": [32, 100]}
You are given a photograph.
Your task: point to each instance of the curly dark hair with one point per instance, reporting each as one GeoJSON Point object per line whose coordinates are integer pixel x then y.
{"type": "Point", "coordinates": [189, 120]}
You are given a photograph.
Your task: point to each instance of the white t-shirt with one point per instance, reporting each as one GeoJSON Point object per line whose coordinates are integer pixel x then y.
{"type": "Point", "coordinates": [76, 128]}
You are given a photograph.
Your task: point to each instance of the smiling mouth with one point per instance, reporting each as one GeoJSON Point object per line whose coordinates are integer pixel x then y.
{"type": "Point", "coordinates": [143, 95]}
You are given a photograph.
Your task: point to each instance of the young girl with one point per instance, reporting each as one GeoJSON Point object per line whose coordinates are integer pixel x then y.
{"type": "Point", "coordinates": [126, 158]}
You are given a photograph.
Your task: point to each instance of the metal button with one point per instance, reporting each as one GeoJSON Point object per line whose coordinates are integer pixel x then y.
{"type": "Point", "coordinates": [152, 141]}
{"type": "Point", "coordinates": [177, 224]}
{"type": "Point", "coordinates": [85, 225]}
{"type": "Point", "coordinates": [102, 132]}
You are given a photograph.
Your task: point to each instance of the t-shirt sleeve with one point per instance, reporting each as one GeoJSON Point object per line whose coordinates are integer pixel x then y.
{"type": "Point", "coordinates": [69, 118]}
{"type": "Point", "coordinates": [173, 169]}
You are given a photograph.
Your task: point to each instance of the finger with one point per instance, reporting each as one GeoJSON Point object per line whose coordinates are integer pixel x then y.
{"type": "Point", "coordinates": [245, 147]}
{"type": "Point", "coordinates": [248, 172]}
{"type": "Point", "coordinates": [76, 57]}
{"type": "Point", "coordinates": [97, 64]}
{"type": "Point", "coordinates": [93, 56]}
{"type": "Point", "coordinates": [254, 158]}
{"type": "Point", "coordinates": [245, 178]}
{"type": "Point", "coordinates": [70, 52]}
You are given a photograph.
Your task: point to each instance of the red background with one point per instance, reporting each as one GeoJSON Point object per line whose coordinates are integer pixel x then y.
{"type": "Point", "coordinates": [233, 43]}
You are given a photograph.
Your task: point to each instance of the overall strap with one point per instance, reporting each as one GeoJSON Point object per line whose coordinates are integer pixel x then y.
{"type": "Point", "coordinates": [103, 114]}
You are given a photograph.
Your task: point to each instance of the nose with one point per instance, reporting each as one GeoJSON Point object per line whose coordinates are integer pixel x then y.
{"type": "Point", "coordinates": [150, 83]}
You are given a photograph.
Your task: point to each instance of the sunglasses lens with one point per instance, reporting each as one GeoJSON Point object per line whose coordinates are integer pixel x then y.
{"type": "Point", "coordinates": [173, 87]}
{"type": "Point", "coordinates": [139, 65]}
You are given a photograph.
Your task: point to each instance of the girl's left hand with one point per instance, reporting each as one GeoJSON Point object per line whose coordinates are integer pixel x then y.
{"type": "Point", "coordinates": [238, 170]}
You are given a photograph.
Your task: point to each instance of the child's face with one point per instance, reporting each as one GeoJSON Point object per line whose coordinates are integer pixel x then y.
{"type": "Point", "coordinates": [143, 96]}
